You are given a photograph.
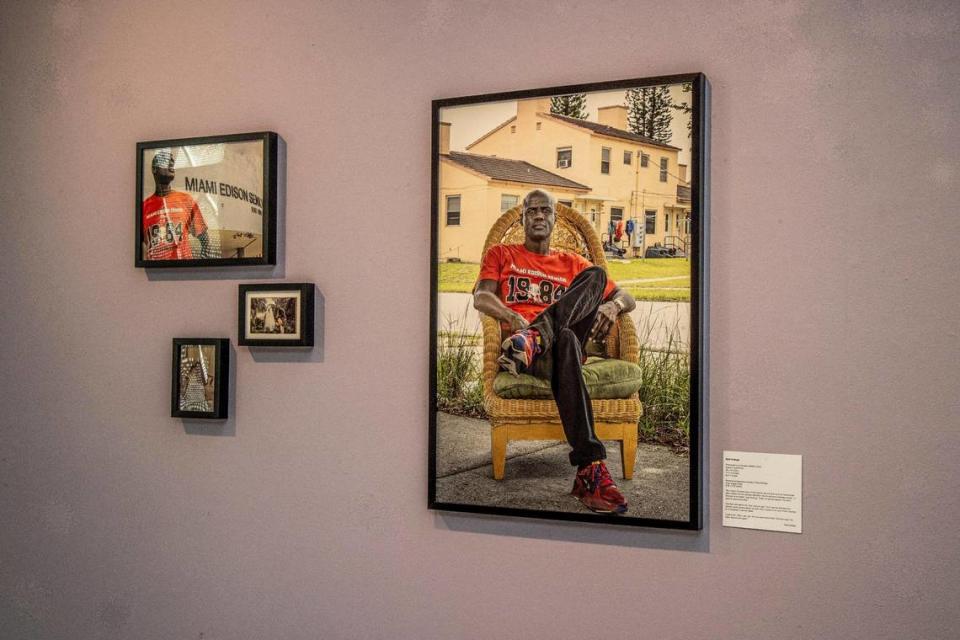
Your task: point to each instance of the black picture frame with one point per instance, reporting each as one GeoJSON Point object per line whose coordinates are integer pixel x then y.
{"type": "Point", "coordinates": [196, 392]}
{"type": "Point", "coordinates": [247, 220]}
{"type": "Point", "coordinates": [698, 100]}
{"type": "Point", "coordinates": [300, 295]}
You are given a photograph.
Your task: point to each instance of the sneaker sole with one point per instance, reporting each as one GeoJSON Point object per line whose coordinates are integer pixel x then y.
{"type": "Point", "coordinates": [508, 365]}
{"type": "Point", "coordinates": [614, 511]}
{"type": "Point", "coordinates": [622, 509]}
{"type": "Point", "coordinates": [509, 358]}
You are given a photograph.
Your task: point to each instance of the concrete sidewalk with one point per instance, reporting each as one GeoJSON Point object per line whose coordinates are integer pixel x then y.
{"type": "Point", "coordinates": [539, 475]}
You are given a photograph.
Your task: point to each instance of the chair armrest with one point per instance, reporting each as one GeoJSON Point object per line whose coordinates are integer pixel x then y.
{"type": "Point", "coordinates": [491, 351]}
{"type": "Point", "coordinates": [629, 343]}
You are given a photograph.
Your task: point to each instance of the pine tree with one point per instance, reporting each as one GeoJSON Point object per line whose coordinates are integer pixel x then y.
{"type": "Point", "coordinates": [649, 112]}
{"type": "Point", "coordinates": [573, 105]}
{"type": "Point", "coordinates": [684, 107]}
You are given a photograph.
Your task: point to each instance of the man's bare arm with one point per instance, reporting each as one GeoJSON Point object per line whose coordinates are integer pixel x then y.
{"type": "Point", "coordinates": [486, 300]}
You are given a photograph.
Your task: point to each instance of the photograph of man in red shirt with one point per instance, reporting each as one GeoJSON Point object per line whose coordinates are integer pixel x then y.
{"type": "Point", "coordinates": [169, 217]}
{"type": "Point", "coordinates": [553, 302]}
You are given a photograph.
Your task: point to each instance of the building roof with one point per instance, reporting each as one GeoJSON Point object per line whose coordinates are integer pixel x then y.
{"type": "Point", "coordinates": [492, 131]}
{"type": "Point", "coordinates": [512, 170]}
{"type": "Point", "coordinates": [605, 130]}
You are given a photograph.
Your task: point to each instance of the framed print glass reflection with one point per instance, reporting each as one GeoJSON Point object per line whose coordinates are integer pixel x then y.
{"type": "Point", "coordinates": [567, 325]}
{"type": "Point", "coordinates": [276, 315]}
{"type": "Point", "coordinates": [200, 378]}
{"type": "Point", "coordinates": [208, 201]}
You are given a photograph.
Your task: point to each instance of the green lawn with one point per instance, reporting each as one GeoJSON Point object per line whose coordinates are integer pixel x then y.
{"type": "Point", "coordinates": [649, 268]}
{"type": "Point", "coordinates": [660, 283]}
{"type": "Point", "coordinates": [459, 277]}
{"type": "Point", "coordinates": [659, 295]}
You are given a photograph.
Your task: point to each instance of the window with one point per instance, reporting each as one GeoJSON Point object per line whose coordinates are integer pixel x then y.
{"type": "Point", "coordinates": [453, 211]}
{"type": "Point", "coordinates": [538, 126]}
{"type": "Point", "coordinates": [628, 157]}
{"type": "Point", "coordinates": [564, 157]}
{"type": "Point", "coordinates": [508, 202]}
{"type": "Point", "coordinates": [644, 159]}
{"type": "Point", "coordinates": [566, 203]}
{"type": "Point", "coordinates": [663, 169]}
{"type": "Point", "coordinates": [616, 214]}
{"type": "Point", "coordinates": [605, 160]}
{"type": "Point", "coordinates": [686, 225]}
{"type": "Point", "coordinates": [651, 222]}
{"type": "Point", "coordinates": [513, 128]}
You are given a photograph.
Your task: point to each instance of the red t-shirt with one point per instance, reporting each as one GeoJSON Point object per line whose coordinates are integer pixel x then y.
{"type": "Point", "coordinates": [166, 222]}
{"type": "Point", "coordinates": [529, 282]}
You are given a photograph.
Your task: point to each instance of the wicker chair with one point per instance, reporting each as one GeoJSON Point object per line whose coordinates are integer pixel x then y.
{"type": "Point", "coordinates": [538, 419]}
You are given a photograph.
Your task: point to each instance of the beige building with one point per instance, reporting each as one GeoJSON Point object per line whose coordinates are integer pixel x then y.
{"type": "Point", "coordinates": [476, 189]}
{"type": "Point", "coordinates": [618, 175]}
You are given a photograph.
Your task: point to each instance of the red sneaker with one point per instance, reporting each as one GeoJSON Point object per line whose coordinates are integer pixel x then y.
{"type": "Point", "coordinates": [519, 350]}
{"type": "Point", "coordinates": [594, 487]}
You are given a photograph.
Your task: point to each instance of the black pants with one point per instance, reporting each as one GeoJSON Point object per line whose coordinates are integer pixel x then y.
{"type": "Point", "coordinates": [564, 327]}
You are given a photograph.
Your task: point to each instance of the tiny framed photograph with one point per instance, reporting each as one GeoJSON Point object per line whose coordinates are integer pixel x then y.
{"type": "Point", "coordinates": [209, 201]}
{"type": "Point", "coordinates": [201, 371]}
{"type": "Point", "coordinates": [276, 315]}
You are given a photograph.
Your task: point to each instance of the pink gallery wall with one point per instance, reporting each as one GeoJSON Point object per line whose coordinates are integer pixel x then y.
{"type": "Point", "coordinates": [834, 305]}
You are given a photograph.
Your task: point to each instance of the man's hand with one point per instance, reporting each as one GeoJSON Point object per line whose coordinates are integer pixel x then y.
{"type": "Point", "coordinates": [517, 322]}
{"type": "Point", "coordinates": [485, 300]}
{"type": "Point", "coordinates": [606, 317]}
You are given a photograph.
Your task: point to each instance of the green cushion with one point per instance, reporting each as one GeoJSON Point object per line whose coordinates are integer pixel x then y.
{"type": "Point", "coordinates": [605, 377]}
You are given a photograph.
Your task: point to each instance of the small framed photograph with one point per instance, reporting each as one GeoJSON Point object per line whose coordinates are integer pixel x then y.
{"type": "Point", "coordinates": [208, 201]}
{"type": "Point", "coordinates": [276, 315]}
{"type": "Point", "coordinates": [201, 371]}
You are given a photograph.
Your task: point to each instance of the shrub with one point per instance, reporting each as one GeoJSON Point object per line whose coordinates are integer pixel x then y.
{"type": "Point", "coordinates": [665, 391]}
{"type": "Point", "coordinates": [459, 385]}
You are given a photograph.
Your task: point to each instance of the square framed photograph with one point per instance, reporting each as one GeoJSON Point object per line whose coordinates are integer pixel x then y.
{"type": "Point", "coordinates": [276, 315]}
{"type": "Point", "coordinates": [568, 305]}
{"type": "Point", "coordinates": [200, 378]}
{"type": "Point", "coordinates": [209, 201]}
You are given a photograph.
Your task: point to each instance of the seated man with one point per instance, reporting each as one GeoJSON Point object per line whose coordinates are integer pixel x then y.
{"type": "Point", "coordinates": [553, 302]}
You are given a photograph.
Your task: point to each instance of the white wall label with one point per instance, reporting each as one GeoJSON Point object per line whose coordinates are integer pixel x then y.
{"type": "Point", "coordinates": [762, 491]}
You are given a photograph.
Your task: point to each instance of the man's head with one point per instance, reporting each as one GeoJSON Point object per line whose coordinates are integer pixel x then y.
{"type": "Point", "coordinates": [539, 214]}
{"type": "Point", "coordinates": [162, 167]}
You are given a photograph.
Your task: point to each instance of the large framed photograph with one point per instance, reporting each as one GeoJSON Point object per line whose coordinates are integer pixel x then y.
{"type": "Point", "coordinates": [208, 201]}
{"type": "Point", "coordinates": [567, 331]}
{"type": "Point", "coordinates": [200, 378]}
{"type": "Point", "coordinates": [276, 315]}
